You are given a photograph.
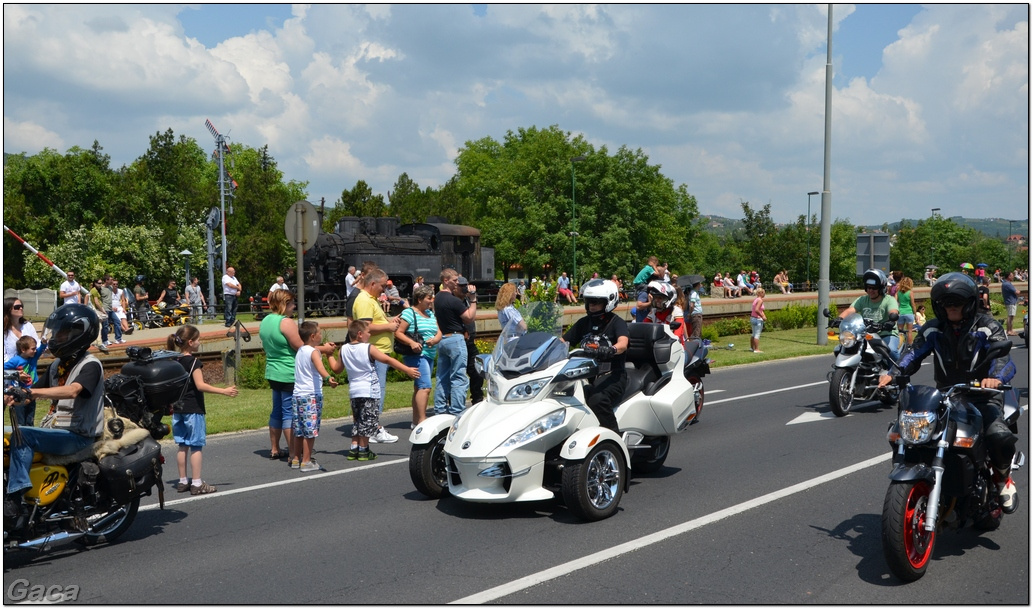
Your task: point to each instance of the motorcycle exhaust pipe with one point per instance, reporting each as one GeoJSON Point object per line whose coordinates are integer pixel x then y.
{"type": "Point", "coordinates": [48, 542]}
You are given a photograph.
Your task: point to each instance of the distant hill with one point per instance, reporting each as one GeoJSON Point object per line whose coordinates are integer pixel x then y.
{"type": "Point", "coordinates": [991, 227]}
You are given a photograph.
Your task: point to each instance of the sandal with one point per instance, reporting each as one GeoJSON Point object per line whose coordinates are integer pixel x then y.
{"type": "Point", "coordinates": [203, 489]}
{"type": "Point", "coordinates": [278, 455]}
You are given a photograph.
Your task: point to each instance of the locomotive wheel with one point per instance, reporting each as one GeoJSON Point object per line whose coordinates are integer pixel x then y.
{"type": "Point", "coordinates": [330, 305]}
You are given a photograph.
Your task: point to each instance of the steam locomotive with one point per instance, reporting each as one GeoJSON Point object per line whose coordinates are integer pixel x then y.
{"type": "Point", "coordinates": [404, 252]}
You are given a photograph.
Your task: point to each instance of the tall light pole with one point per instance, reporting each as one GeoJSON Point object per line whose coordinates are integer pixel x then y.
{"type": "Point", "coordinates": [573, 216]}
{"type": "Point", "coordinates": [932, 240]}
{"type": "Point", "coordinates": [1007, 242]}
{"type": "Point", "coordinates": [809, 195]}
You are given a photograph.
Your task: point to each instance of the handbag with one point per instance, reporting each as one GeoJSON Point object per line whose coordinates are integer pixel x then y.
{"type": "Point", "coordinates": [405, 348]}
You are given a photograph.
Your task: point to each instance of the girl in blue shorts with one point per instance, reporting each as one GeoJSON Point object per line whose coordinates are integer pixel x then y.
{"type": "Point", "coordinates": [188, 425]}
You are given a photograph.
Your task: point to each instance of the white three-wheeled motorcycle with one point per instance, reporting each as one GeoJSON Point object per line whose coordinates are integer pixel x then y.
{"type": "Point", "coordinates": [534, 438]}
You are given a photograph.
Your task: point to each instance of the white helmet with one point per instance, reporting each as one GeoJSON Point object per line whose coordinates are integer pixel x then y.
{"type": "Point", "coordinates": [664, 293]}
{"type": "Point", "coordinates": [600, 290]}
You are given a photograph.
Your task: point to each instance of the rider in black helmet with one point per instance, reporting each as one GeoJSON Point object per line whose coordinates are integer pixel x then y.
{"type": "Point", "coordinates": [959, 331]}
{"type": "Point", "coordinates": [75, 381]}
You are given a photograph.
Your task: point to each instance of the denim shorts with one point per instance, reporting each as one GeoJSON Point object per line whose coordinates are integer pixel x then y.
{"type": "Point", "coordinates": [189, 430]}
{"type": "Point", "coordinates": [905, 319]}
{"type": "Point", "coordinates": [424, 365]}
{"type": "Point", "coordinates": [758, 325]}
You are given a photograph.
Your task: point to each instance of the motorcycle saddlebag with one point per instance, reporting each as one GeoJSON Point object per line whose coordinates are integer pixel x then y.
{"type": "Point", "coordinates": [132, 471]}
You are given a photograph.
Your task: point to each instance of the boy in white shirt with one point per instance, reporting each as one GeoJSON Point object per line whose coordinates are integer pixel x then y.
{"type": "Point", "coordinates": [357, 358]}
{"type": "Point", "coordinates": [307, 399]}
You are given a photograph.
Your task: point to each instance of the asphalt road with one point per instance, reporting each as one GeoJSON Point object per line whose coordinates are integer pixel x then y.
{"type": "Point", "coordinates": [770, 499]}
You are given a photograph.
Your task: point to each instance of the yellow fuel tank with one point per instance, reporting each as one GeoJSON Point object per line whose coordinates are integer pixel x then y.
{"type": "Point", "coordinates": [48, 482]}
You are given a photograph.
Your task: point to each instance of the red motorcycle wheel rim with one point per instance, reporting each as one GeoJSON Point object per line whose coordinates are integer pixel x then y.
{"type": "Point", "coordinates": [917, 541]}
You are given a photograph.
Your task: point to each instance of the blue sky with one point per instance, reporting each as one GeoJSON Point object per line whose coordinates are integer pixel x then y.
{"type": "Point", "coordinates": [930, 107]}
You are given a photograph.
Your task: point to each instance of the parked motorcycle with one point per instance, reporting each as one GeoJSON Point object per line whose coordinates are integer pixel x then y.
{"type": "Point", "coordinates": [942, 476]}
{"type": "Point", "coordinates": [93, 496]}
{"type": "Point", "coordinates": [861, 355]}
{"type": "Point", "coordinates": [168, 317]}
{"type": "Point", "coordinates": [533, 438]}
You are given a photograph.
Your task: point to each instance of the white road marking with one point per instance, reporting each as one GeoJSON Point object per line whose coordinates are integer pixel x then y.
{"type": "Point", "coordinates": [534, 579]}
{"type": "Point", "coordinates": [258, 487]}
{"type": "Point", "coordinates": [753, 395]}
{"type": "Point", "coordinates": [810, 417]}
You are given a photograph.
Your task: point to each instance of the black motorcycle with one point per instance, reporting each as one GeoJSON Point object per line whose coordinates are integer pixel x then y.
{"type": "Point", "coordinates": [942, 476]}
{"type": "Point", "coordinates": [93, 496]}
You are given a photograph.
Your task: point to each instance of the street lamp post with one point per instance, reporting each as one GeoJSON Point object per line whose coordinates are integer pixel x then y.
{"type": "Point", "coordinates": [573, 217]}
{"type": "Point", "coordinates": [932, 241]}
{"type": "Point", "coordinates": [809, 195]}
{"type": "Point", "coordinates": [186, 254]}
{"type": "Point", "coordinates": [1007, 242]}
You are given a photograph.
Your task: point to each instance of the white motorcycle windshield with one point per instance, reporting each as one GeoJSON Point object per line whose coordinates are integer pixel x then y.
{"type": "Point", "coordinates": [521, 351]}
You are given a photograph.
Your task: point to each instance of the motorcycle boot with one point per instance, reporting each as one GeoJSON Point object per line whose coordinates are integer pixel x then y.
{"type": "Point", "coordinates": [1007, 490]}
{"type": "Point", "coordinates": [16, 513]}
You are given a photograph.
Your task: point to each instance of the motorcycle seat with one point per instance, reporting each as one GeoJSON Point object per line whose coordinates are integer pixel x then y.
{"type": "Point", "coordinates": [648, 347]}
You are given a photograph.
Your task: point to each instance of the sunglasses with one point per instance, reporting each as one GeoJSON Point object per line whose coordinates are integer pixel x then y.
{"type": "Point", "coordinates": [17, 307]}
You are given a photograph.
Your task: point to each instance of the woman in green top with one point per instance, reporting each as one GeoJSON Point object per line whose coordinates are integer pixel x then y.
{"type": "Point", "coordinates": [906, 301]}
{"type": "Point", "coordinates": [280, 341]}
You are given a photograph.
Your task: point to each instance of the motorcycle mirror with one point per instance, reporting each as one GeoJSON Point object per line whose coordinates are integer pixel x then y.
{"type": "Point", "coordinates": [893, 317]}
{"type": "Point", "coordinates": [825, 312]}
{"type": "Point", "coordinates": [482, 363]}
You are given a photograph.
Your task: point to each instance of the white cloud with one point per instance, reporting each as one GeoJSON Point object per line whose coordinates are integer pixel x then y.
{"type": "Point", "coordinates": [728, 99]}
{"type": "Point", "coordinates": [29, 137]}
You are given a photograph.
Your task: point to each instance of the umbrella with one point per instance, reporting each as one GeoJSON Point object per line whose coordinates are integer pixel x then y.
{"type": "Point", "coordinates": [932, 266]}
{"type": "Point", "coordinates": [982, 265]}
{"type": "Point", "coordinates": [687, 281]}
{"type": "Point", "coordinates": [967, 265]}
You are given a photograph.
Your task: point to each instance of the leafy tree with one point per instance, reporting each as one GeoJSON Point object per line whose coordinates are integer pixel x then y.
{"type": "Point", "coordinates": [623, 210]}
{"type": "Point", "coordinates": [360, 201]}
{"type": "Point", "coordinates": [407, 201]}
{"type": "Point", "coordinates": [258, 246]}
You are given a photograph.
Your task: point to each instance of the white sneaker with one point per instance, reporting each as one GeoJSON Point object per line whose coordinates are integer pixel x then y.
{"type": "Point", "coordinates": [383, 437]}
{"type": "Point", "coordinates": [1009, 497]}
{"type": "Point", "coordinates": [106, 343]}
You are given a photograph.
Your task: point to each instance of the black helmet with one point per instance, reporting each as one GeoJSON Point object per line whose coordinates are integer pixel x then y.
{"type": "Point", "coordinates": [875, 278]}
{"type": "Point", "coordinates": [954, 288]}
{"type": "Point", "coordinates": [140, 279]}
{"type": "Point", "coordinates": [70, 330]}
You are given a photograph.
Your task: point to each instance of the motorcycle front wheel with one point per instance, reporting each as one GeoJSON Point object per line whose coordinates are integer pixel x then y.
{"type": "Point", "coordinates": [840, 396]}
{"type": "Point", "coordinates": [906, 545]}
{"type": "Point", "coordinates": [108, 526]}
{"type": "Point", "coordinates": [592, 488]}
{"type": "Point", "coordinates": [427, 468]}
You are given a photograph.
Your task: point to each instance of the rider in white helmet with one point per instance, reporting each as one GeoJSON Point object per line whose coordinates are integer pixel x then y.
{"type": "Point", "coordinates": [605, 336]}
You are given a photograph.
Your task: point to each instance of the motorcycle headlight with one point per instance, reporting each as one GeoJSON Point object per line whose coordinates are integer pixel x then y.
{"type": "Point", "coordinates": [917, 427]}
{"type": "Point", "coordinates": [493, 389]}
{"type": "Point", "coordinates": [526, 391]}
{"type": "Point", "coordinates": [847, 339]}
{"type": "Point", "coordinates": [539, 427]}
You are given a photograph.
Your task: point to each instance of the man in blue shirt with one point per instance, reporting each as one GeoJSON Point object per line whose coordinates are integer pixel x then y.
{"type": "Point", "coordinates": [1011, 301]}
